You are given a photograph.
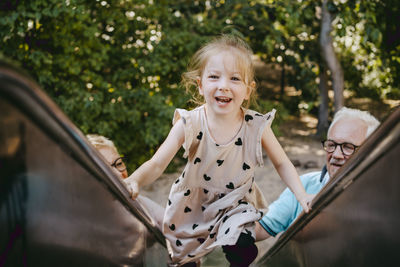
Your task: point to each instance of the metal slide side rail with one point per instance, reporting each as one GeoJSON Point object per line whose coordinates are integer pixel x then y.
{"type": "Point", "coordinates": [20, 90]}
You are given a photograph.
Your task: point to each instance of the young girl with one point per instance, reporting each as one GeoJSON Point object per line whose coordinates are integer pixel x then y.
{"type": "Point", "coordinates": [214, 201]}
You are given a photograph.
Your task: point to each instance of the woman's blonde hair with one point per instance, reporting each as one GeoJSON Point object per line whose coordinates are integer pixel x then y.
{"type": "Point", "coordinates": [224, 43]}
{"type": "Point", "coordinates": [99, 141]}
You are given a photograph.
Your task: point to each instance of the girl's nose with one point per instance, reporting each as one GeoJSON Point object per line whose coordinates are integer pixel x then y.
{"type": "Point", "coordinates": [223, 85]}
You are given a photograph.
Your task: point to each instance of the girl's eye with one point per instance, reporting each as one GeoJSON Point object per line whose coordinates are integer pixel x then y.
{"type": "Point", "coordinates": [235, 79]}
{"type": "Point", "coordinates": [213, 77]}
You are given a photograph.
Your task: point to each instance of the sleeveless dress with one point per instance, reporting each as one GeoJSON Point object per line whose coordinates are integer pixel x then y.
{"type": "Point", "coordinates": [215, 199]}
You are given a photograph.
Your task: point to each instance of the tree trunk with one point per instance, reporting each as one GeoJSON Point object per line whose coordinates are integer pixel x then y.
{"type": "Point", "coordinates": [283, 79]}
{"type": "Point", "coordinates": [328, 54]}
{"type": "Point", "coordinates": [323, 112]}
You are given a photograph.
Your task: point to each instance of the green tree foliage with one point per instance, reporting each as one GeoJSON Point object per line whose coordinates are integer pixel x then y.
{"type": "Point", "coordinates": [114, 67]}
{"type": "Point", "coordinates": [102, 64]}
{"type": "Point", "coordinates": [368, 38]}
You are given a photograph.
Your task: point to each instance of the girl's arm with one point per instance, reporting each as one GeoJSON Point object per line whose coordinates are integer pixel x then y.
{"type": "Point", "coordinates": [149, 171]}
{"type": "Point", "coordinates": [285, 168]}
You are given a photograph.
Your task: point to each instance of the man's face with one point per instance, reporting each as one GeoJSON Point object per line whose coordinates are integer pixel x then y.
{"type": "Point", "coordinates": [346, 130]}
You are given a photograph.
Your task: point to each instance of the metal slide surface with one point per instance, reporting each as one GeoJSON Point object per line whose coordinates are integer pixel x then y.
{"type": "Point", "coordinates": [355, 219]}
{"type": "Point", "coordinates": [60, 203]}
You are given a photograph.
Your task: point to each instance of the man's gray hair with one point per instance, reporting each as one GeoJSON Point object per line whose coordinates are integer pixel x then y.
{"type": "Point", "coordinates": [371, 122]}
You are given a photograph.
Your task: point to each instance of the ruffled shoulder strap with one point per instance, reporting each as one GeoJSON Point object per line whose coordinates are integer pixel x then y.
{"type": "Point", "coordinates": [258, 122]}
{"type": "Point", "coordinates": [266, 122]}
{"type": "Point", "coordinates": [191, 124]}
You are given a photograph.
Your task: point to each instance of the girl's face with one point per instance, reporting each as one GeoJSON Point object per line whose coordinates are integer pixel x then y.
{"type": "Point", "coordinates": [222, 85]}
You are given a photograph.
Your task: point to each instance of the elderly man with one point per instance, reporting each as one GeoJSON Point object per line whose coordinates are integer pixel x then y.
{"type": "Point", "coordinates": [347, 132]}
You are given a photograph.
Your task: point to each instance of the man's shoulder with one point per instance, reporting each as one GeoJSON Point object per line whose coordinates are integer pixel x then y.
{"type": "Point", "coordinates": [312, 182]}
{"type": "Point", "coordinates": [310, 177]}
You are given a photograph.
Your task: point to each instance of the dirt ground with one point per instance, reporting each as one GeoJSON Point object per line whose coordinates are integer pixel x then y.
{"type": "Point", "coordinates": [303, 150]}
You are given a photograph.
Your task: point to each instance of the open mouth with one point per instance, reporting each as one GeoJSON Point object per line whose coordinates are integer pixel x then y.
{"type": "Point", "coordinates": [223, 99]}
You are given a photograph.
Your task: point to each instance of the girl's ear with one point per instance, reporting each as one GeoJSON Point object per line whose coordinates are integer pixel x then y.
{"type": "Point", "coordinates": [250, 89]}
{"type": "Point", "coordinates": [198, 80]}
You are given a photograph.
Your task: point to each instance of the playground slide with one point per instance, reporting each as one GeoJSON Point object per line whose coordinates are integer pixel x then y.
{"type": "Point", "coordinates": [60, 203]}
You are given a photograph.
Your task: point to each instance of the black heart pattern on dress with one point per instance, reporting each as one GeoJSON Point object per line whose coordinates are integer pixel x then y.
{"type": "Point", "coordinates": [225, 218]}
{"type": "Point", "coordinates": [244, 211]}
{"type": "Point", "coordinates": [197, 160]}
{"type": "Point", "coordinates": [200, 135]}
{"type": "Point", "coordinates": [248, 232]}
{"type": "Point", "coordinates": [194, 226]}
{"type": "Point", "coordinates": [250, 190]}
{"type": "Point", "coordinates": [211, 227]}
{"type": "Point", "coordinates": [219, 162]}
{"type": "Point", "coordinates": [230, 186]}
{"type": "Point", "coordinates": [172, 227]}
{"type": "Point", "coordinates": [178, 243]}
{"type": "Point", "coordinates": [241, 201]}
{"type": "Point", "coordinates": [191, 256]}
{"type": "Point", "coordinates": [183, 175]}
{"type": "Point", "coordinates": [177, 181]}
{"type": "Point", "coordinates": [258, 114]}
{"type": "Point", "coordinates": [187, 209]}
{"type": "Point", "coordinates": [202, 208]}
{"type": "Point", "coordinates": [269, 116]}
{"type": "Point", "coordinates": [227, 231]}
{"type": "Point", "coordinates": [248, 117]}
{"type": "Point", "coordinates": [212, 235]}
{"type": "Point", "coordinates": [239, 142]}
{"type": "Point", "coordinates": [245, 166]}
{"type": "Point", "coordinates": [205, 191]}
{"type": "Point", "coordinates": [169, 202]}
{"type": "Point", "coordinates": [207, 178]}
{"type": "Point", "coordinates": [261, 213]}
{"type": "Point", "coordinates": [187, 192]}
{"type": "Point", "coordinates": [221, 195]}
{"type": "Point", "coordinates": [201, 240]}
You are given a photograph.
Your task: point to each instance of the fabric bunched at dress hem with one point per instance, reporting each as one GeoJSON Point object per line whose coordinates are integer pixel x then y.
{"type": "Point", "coordinates": [215, 199]}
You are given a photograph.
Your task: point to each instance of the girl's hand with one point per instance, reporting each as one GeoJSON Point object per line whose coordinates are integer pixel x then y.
{"type": "Point", "coordinates": [305, 202]}
{"type": "Point", "coordinates": [133, 188]}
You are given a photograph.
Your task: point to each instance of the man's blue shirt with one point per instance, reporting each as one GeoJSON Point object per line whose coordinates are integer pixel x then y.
{"type": "Point", "coordinates": [283, 211]}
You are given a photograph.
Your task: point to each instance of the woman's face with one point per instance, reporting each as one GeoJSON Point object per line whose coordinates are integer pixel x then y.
{"type": "Point", "coordinates": [115, 161]}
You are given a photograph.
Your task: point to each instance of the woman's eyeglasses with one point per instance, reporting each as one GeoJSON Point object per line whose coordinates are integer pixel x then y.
{"type": "Point", "coordinates": [119, 165]}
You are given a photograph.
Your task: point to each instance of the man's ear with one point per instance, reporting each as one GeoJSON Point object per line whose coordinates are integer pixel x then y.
{"type": "Point", "coordinates": [198, 80]}
{"type": "Point", "coordinates": [250, 89]}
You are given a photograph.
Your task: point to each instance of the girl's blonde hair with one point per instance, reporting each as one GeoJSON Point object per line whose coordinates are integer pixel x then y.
{"type": "Point", "coordinates": [224, 43]}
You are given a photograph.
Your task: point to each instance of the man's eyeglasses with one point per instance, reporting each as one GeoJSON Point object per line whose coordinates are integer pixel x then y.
{"type": "Point", "coordinates": [119, 165]}
{"type": "Point", "coordinates": [346, 148]}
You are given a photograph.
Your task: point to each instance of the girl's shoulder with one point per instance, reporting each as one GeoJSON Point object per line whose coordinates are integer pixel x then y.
{"type": "Point", "coordinates": [188, 115]}
{"type": "Point", "coordinates": [252, 115]}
